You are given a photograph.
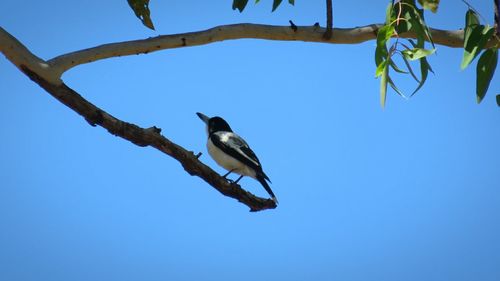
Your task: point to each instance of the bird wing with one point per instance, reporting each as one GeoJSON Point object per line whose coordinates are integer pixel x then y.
{"type": "Point", "coordinates": [237, 148]}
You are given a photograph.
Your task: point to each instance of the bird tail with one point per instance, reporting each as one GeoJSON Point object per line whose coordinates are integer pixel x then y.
{"type": "Point", "coordinates": [262, 179]}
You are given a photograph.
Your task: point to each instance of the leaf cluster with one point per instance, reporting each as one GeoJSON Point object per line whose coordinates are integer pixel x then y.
{"type": "Point", "coordinates": [402, 16]}
{"type": "Point", "coordinates": [475, 39]}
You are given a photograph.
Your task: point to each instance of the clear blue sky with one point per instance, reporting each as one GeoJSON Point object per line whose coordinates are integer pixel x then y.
{"type": "Point", "coordinates": [409, 192]}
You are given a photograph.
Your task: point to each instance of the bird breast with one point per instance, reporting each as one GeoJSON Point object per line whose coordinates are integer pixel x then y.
{"type": "Point", "coordinates": [228, 162]}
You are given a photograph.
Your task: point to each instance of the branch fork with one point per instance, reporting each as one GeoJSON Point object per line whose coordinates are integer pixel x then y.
{"type": "Point", "coordinates": [48, 74]}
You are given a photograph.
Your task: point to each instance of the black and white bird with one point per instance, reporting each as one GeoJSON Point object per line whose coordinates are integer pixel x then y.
{"type": "Point", "coordinates": [232, 152]}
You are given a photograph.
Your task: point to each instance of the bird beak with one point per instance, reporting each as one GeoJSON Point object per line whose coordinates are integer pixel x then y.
{"type": "Point", "coordinates": [203, 117]}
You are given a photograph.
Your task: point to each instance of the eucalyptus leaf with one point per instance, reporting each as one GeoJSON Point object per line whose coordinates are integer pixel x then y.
{"type": "Point", "coordinates": [388, 13]}
{"type": "Point", "coordinates": [417, 53]}
{"type": "Point", "coordinates": [413, 21]}
{"type": "Point", "coordinates": [393, 86]}
{"type": "Point", "coordinates": [486, 66]}
{"type": "Point", "coordinates": [410, 69]}
{"type": "Point", "coordinates": [384, 34]}
{"type": "Point", "coordinates": [401, 15]}
{"type": "Point", "coordinates": [141, 10]}
{"type": "Point", "coordinates": [475, 42]}
{"type": "Point", "coordinates": [431, 5]}
{"type": "Point", "coordinates": [276, 3]}
{"type": "Point", "coordinates": [241, 4]}
{"type": "Point", "coordinates": [425, 67]}
{"type": "Point", "coordinates": [471, 20]}
{"type": "Point", "coordinates": [383, 86]}
{"type": "Point", "coordinates": [396, 68]}
{"type": "Point", "coordinates": [380, 68]}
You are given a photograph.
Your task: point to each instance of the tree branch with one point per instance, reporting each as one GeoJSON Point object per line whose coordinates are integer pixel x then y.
{"type": "Point", "coordinates": [148, 137]}
{"type": "Point", "coordinates": [19, 55]}
{"type": "Point", "coordinates": [450, 38]}
{"type": "Point", "coordinates": [37, 70]}
{"type": "Point", "coordinates": [47, 74]}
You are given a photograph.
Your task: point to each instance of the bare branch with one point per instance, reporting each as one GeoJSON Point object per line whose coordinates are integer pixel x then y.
{"type": "Point", "coordinates": [148, 137]}
{"type": "Point", "coordinates": [19, 55]}
{"type": "Point", "coordinates": [47, 74]}
{"type": "Point", "coordinates": [450, 38]}
{"type": "Point", "coordinates": [36, 69]}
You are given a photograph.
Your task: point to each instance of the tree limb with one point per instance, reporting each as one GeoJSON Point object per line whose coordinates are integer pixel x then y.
{"type": "Point", "coordinates": [148, 137]}
{"type": "Point", "coordinates": [19, 55]}
{"type": "Point", "coordinates": [450, 38]}
{"type": "Point", "coordinates": [47, 74]}
{"type": "Point", "coordinates": [26, 61]}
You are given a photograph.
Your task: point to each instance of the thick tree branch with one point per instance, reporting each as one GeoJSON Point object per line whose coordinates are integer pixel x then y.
{"type": "Point", "coordinates": [148, 137]}
{"type": "Point", "coordinates": [38, 71]}
{"type": "Point", "coordinates": [450, 38]}
{"type": "Point", "coordinates": [19, 55]}
{"type": "Point", "coordinates": [47, 74]}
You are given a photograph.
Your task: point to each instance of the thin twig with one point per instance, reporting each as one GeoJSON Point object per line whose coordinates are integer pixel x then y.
{"type": "Point", "coordinates": [329, 20]}
{"type": "Point", "coordinates": [496, 3]}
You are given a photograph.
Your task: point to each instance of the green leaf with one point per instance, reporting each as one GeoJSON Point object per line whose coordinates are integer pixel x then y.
{"type": "Point", "coordinates": [276, 3]}
{"type": "Point", "coordinates": [475, 42]}
{"type": "Point", "coordinates": [402, 23]}
{"type": "Point", "coordinates": [498, 100]}
{"type": "Point", "coordinates": [393, 86]}
{"type": "Point", "coordinates": [384, 34]}
{"type": "Point", "coordinates": [141, 10]}
{"type": "Point", "coordinates": [396, 68]}
{"type": "Point", "coordinates": [292, 2]}
{"type": "Point", "coordinates": [388, 13]}
{"type": "Point", "coordinates": [240, 4]}
{"type": "Point", "coordinates": [429, 4]}
{"type": "Point", "coordinates": [380, 68]}
{"type": "Point", "coordinates": [485, 69]}
{"type": "Point", "coordinates": [475, 38]}
{"type": "Point", "coordinates": [410, 69]}
{"type": "Point", "coordinates": [427, 31]}
{"type": "Point", "coordinates": [413, 21]}
{"type": "Point", "coordinates": [425, 67]}
{"type": "Point", "coordinates": [417, 53]}
{"type": "Point", "coordinates": [471, 20]}
{"type": "Point", "coordinates": [383, 86]}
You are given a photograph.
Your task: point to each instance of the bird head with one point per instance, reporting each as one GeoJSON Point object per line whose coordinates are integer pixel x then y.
{"type": "Point", "coordinates": [214, 124]}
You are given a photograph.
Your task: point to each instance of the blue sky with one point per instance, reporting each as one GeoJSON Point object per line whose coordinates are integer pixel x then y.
{"type": "Point", "coordinates": [409, 192]}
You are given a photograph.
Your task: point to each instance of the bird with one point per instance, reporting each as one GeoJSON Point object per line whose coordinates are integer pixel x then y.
{"type": "Point", "coordinates": [232, 152]}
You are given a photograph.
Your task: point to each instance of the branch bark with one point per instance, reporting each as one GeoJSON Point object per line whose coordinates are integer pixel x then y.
{"type": "Point", "coordinates": [48, 74]}
{"type": "Point", "coordinates": [450, 38]}
{"type": "Point", "coordinates": [36, 69]}
{"type": "Point", "coordinates": [148, 137]}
